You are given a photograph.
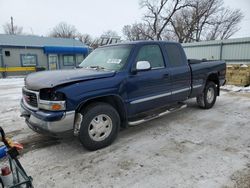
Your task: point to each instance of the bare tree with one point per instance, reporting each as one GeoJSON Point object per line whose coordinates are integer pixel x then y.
{"type": "Point", "coordinates": [225, 24]}
{"type": "Point", "coordinates": [185, 21]}
{"type": "Point", "coordinates": [15, 30]}
{"type": "Point", "coordinates": [156, 20]}
{"type": "Point", "coordinates": [110, 33]}
{"type": "Point", "coordinates": [85, 38]}
{"type": "Point", "coordinates": [184, 26]}
{"type": "Point", "coordinates": [64, 30]}
{"type": "Point", "coordinates": [205, 20]}
{"type": "Point", "coordinates": [137, 31]}
{"type": "Point", "coordinates": [159, 14]}
{"type": "Point", "coordinates": [190, 23]}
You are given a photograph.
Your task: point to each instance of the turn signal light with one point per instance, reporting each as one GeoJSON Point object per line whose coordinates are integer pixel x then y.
{"type": "Point", "coordinates": [56, 107]}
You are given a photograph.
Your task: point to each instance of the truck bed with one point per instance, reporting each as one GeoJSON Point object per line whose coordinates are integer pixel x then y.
{"type": "Point", "coordinates": [200, 69]}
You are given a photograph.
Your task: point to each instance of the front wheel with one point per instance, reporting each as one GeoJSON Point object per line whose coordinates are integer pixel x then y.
{"type": "Point", "coordinates": [207, 99]}
{"type": "Point", "coordinates": [100, 126]}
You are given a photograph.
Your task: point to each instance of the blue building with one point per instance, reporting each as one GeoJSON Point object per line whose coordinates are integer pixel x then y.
{"type": "Point", "coordinates": [50, 53]}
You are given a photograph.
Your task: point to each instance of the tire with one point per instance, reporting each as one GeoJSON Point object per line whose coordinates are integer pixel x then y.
{"type": "Point", "coordinates": [100, 126]}
{"type": "Point", "coordinates": [208, 98]}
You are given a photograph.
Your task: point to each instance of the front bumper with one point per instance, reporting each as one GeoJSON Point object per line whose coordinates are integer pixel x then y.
{"type": "Point", "coordinates": [48, 122]}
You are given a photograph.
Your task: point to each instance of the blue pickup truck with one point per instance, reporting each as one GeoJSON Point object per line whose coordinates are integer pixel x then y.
{"type": "Point", "coordinates": [116, 86]}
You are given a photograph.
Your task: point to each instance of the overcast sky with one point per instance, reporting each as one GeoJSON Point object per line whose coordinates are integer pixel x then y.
{"type": "Point", "coordinates": [89, 16]}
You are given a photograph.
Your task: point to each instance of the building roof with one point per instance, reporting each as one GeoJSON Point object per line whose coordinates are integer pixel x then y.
{"type": "Point", "coordinates": [216, 42]}
{"type": "Point", "coordinates": [37, 41]}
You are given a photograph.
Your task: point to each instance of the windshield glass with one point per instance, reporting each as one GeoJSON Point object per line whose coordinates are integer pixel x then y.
{"type": "Point", "coordinates": [111, 58]}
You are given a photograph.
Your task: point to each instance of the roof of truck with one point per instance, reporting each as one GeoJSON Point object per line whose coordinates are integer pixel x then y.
{"type": "Point", "coordinates": [142, 42]}
{"type": "Point", "coordinates": [148, 41]}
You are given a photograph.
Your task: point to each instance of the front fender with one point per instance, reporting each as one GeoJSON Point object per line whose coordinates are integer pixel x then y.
{"type": "Point", "coordinates": [79, 92]}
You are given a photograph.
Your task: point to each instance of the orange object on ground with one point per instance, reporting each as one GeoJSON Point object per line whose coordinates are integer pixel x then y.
{"type": "Point", "coordinates": [17, 145]}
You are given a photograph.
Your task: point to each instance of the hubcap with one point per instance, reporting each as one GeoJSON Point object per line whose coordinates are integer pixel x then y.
{"type": "Point", "coordinates": [210, 95]}
{"type": "Point", "coordinates": [100, 127]}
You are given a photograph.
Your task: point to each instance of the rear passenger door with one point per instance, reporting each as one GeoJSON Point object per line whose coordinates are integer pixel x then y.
{"type": "Point", "coordinates": [180, 73]}
{"type": "Point", "coordinates": [152, 88]}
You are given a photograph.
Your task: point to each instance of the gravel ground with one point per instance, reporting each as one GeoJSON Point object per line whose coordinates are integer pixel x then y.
{"type": "Point", "coordinates": [188, 148]}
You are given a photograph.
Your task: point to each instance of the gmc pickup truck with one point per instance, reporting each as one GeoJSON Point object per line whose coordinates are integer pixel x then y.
{"type": "Point", "coordinates": [116, 86]}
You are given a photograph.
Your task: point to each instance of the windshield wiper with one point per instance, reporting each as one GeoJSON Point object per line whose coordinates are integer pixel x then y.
{"type": "Point", "coordinates": [97, 67]}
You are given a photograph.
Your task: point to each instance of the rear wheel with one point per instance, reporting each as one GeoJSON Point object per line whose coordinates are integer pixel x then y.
{"type": "Point", "coordinates": [100, 126]}
{"type": "Point", "coordinates": [207, 99]}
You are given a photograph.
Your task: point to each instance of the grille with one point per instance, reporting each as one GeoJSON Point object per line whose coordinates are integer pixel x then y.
{"type": "Point", "coordinates": [30, 98]}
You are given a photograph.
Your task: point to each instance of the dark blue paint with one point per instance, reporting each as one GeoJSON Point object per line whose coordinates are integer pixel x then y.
{"type": "Point", "coordinates": [44, 115]}
{"type": "Point", "coordinates": [129, 86]}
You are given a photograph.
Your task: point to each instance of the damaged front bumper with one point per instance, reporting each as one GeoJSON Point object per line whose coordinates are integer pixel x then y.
{"type": "Point", "coordinates": [48, 122]}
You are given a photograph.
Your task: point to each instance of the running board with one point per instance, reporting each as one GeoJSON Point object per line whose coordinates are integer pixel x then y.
{"type": "Point", "coordinates": [154, 116]}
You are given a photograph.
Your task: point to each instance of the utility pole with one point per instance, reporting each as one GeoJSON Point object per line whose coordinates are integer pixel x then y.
{"type": "Point", "coordinates": [12, 25]}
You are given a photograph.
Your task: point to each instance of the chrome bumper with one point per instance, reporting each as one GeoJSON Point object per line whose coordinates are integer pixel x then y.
{"type": "Point", "coordinates": [64, 124]}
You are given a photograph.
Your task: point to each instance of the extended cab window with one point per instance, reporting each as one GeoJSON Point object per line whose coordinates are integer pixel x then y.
{"type": "Point", "coordinates": [152, 54]}
{"type": "Point", "coordinates": [175, 57]}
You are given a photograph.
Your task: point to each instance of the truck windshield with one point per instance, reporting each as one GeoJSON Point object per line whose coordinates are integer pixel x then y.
{"type": "Point", "coordinates": [110, 58]}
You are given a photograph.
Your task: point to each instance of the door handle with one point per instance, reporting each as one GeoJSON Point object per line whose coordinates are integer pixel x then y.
{"type": "Point", "coordinates": [166, 75]}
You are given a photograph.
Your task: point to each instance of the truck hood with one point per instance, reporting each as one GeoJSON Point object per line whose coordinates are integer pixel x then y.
{"type": "Point", "coordinates": [49, 79]}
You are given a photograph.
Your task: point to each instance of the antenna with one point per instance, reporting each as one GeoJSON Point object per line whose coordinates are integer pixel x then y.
{"type": "Point", "coordinates": [12, 25]}
{"type": "Point", "coordinates": [31, 31]}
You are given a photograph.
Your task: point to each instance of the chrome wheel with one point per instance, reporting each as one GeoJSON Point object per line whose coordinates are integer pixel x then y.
{"type": "Point", "coordinates": [210, 95]}
{"type": "Point", "coordinates": [100, 127]}
{"type": "Point", "coordinates": [207, 98]}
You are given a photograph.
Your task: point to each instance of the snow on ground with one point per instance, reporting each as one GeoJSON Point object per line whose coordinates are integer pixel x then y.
{"type": "Point", "coordinates": [236, 88]}
{"type": "Point", "coordinates": [188, 148]}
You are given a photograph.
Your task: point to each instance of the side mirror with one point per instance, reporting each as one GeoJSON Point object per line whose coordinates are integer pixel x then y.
{"type": "Point", "coordinates": [143, 66]}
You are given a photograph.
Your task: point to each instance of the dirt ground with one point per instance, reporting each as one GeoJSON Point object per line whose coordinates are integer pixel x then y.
{"type": "Point", "coordinates": [188, 148]}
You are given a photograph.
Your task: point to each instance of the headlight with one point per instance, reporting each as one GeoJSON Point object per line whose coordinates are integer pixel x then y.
{"type": "Point", "coordinates": [51, 95]}
{"type": "Point", "coordinates": [51, 100]}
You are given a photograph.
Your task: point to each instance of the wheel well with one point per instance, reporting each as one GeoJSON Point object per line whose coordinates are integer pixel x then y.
{"type": "Point", "coordinates": [214, 78]}
{"type": "Point", "coordinates": [114, 101]}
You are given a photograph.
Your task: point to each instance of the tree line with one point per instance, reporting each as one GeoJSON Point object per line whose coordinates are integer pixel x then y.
{"type": "Point", "coordinates": [178, 20]}
{"type": "Point", "coordinates": [61, 30]}
{"type": "Point", "coordinates": [184, 21]}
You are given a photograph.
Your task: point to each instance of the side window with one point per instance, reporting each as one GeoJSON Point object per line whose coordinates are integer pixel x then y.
{"type": "Point", "coordinates": [174, 55]}
{"type": "Point", "coordinates": [28, 60]}
{"type": "Point", "coordinates": [68, 60]}
{"type": "Point", "coordinates": [152, 54]}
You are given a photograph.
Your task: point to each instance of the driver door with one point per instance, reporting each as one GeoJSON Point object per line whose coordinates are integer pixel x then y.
{"type": "Point", "coordinates": [149, 89]}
